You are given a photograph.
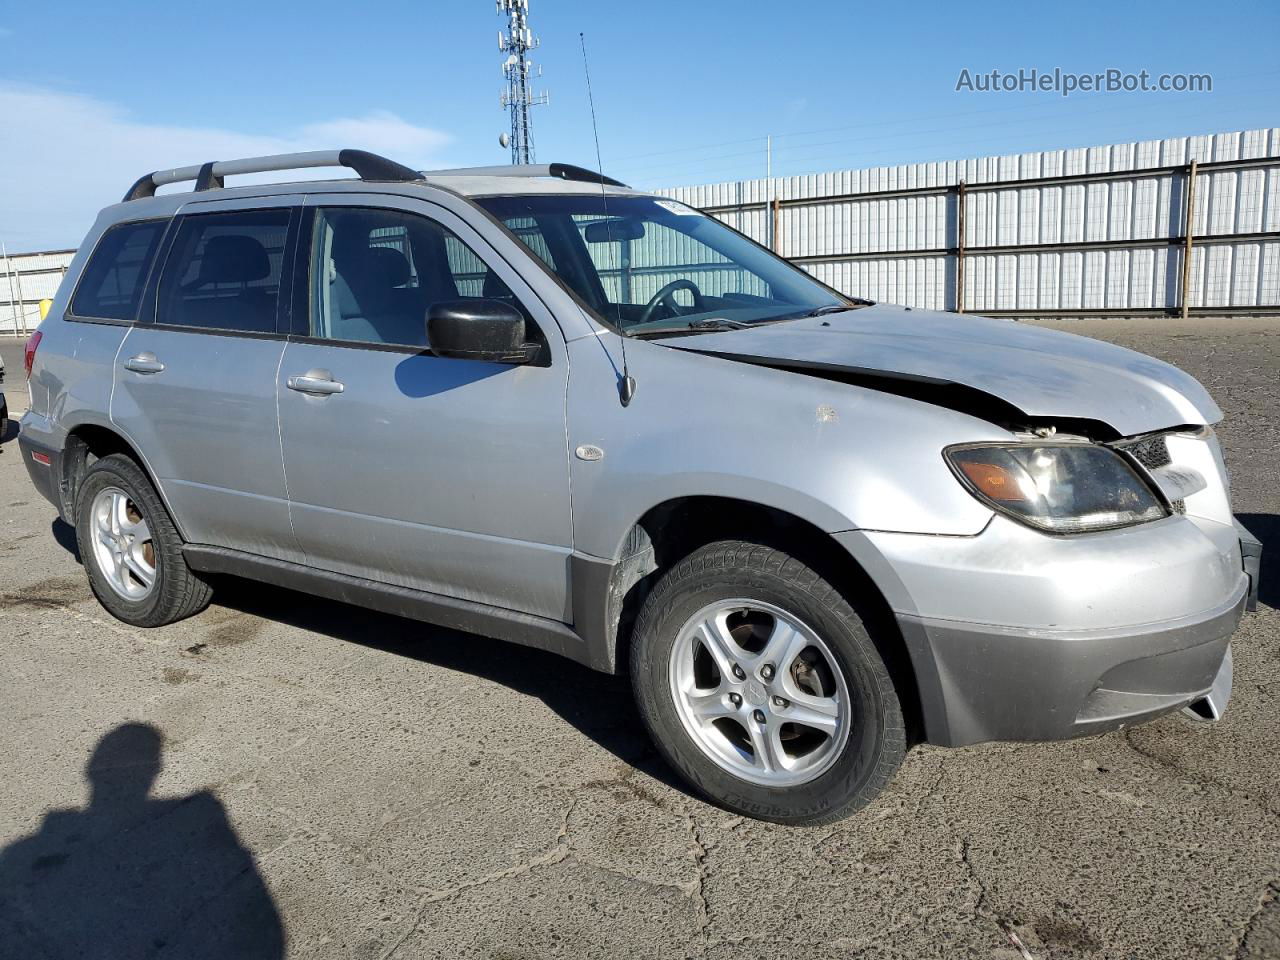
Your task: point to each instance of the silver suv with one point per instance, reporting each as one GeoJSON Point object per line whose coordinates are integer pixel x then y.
{"type": "Point", "coordinates": [532, 403]}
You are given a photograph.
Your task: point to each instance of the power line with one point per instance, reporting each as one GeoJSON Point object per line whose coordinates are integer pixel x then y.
{"type": "Point", "coordinates": [897, 121]}
{"type": "Point", "coordinates": [709, 166]}
{"type": "Point", "coordinates": [985, 140]}
{"type": "Point", "coordinates": [857, 160]}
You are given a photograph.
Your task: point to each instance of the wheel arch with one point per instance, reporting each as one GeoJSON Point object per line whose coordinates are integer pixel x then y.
{"type": "Point", "coordinates": [88, 442]}
{"type": "Point", "coordinates": [607, 595]}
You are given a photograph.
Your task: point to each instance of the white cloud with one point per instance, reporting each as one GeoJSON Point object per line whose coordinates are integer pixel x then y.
{"type": "Point", "coordinates": [66, 156]}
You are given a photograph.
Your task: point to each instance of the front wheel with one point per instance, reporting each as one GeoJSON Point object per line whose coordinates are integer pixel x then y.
{"type": "Point", "coordinates": [760, 684]}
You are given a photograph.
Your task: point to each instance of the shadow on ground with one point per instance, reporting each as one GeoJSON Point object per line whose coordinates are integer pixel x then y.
{"type": "Point", "coordinates": [598, 705]}
{"type": "Point", "coordinates": [65, 536]}
{"type": "Point", "coordinates": [1266, 527]}
{"type": "Point", "coordinates": [130, 875]}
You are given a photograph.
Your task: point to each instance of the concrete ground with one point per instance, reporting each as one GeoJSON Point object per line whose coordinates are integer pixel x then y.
{"type": "Point", "coordinates": [338, 783]}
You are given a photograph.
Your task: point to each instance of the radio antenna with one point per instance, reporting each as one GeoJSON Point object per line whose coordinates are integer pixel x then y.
{"type": "Point", "coordinates": [627, 385]}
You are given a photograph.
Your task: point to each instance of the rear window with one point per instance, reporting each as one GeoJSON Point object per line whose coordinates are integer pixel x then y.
{"type": "Point", "coordinates": [117, 271]}
{"type": "Point", "coordinates": [223, 271]}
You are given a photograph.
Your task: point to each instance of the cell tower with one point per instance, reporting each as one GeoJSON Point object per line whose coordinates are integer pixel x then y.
{"type": "Point", "coordinates": [519, 95]}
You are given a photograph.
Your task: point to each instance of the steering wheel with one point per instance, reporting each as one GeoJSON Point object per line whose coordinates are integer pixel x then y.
{"type": "Point", "coordinates": [666, 298]}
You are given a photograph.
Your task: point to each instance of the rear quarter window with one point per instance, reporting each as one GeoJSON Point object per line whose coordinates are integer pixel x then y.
{"type": "Point", "coordinates": [112, 282]}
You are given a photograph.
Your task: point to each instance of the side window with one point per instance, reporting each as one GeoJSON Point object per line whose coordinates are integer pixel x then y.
{"type": "Point", "coordinates": [114, 277]}
{"type": "Point", "coordinates": [223, 271]}
{"type": "Point", "coordinates": [374, 273]}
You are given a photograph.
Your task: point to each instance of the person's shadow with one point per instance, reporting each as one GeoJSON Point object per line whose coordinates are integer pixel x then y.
{"type": "Point", "coordinates": [134, 876]}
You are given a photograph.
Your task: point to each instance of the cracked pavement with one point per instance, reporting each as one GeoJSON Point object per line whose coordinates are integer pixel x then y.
{"type": "Point", "coordinates": [405, 791]}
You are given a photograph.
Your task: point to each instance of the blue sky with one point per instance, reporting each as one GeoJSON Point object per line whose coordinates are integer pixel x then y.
{"type": "Point", "coordinates": [93, 94]}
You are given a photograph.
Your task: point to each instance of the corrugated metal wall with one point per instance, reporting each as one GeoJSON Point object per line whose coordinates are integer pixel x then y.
{"type": "Point", "coordinates": [1094, 230]}
{"type": "Point", "coordinates": [25, 280]}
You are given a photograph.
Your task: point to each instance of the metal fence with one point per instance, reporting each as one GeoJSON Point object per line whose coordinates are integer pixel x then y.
{"type": "Point", "coordinates": [25, 280]}
{"type": "Point", "coordinates": [1180, 226]}
{"type": "Point", "coordinates": [1159, 227]}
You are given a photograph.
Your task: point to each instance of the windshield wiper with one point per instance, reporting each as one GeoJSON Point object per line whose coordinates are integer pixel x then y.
{"type": "Point", "coordinates": [837, 308]}
{"type": "Point", "coordinates": [692, 327]}
{"type": "Point", "coordinates": [707, 325]}
{"type": "Point", "coordinates": [829, 308]}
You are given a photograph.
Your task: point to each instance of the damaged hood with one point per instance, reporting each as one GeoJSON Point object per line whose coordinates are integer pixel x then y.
{"type": "Point", "coordinates": [1044, 374]}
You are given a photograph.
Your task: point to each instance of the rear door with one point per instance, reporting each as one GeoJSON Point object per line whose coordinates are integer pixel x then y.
{"type": "Point", "coordinates": [195, 382]}
{"type": "Point", "coordinates": [439, 474]}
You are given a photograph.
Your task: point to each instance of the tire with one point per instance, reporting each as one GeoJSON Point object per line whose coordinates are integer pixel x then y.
{"type": "Point", "coordinates": [175, 591]}
{"type": "Point", "coordinates": [848, 763]}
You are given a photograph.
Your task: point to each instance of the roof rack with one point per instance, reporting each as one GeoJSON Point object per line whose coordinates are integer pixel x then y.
{"type": "Point", "coordinates": [209, 176]}
{"type": "Point", "coordinates": [561, 171]}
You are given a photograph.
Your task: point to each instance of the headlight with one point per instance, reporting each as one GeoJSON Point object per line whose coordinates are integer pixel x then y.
{"type": "Point", "coordinates": [1065, 488]}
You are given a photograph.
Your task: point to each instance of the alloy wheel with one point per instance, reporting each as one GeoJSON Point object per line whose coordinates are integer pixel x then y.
{"type": "Point", "coordinates": [759, 692]}
{"type": "Point", "coordinates": [122, 544]}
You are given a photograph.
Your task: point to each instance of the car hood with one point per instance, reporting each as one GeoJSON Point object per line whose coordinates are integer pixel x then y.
{"type": "Point", "coordinates": [1044, 374]}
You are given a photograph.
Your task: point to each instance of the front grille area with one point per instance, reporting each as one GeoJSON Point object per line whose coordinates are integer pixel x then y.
{"type": "Point", "coordinates": [1151, 452]}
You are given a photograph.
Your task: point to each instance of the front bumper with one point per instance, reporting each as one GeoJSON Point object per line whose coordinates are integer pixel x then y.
{"type": "Point", "coordinates": [1002, 684]}
{"type": "Point", "coordinates": [1014, 635]}
{"type": "Point", "coordinates": [1251, 558]}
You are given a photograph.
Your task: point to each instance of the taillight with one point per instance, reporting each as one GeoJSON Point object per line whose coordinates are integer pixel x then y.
{"type": "Point", "coordinates": [29, 352]}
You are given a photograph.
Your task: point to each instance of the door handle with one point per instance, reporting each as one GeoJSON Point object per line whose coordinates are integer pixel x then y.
{"type": "Point", "coordinates": [318, 383]}
{"type": "Point", "coordinates": [144, 362]}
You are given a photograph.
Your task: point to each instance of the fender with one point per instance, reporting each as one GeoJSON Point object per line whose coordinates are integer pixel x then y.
{"type": "Point", "coordinates": [69, 482]}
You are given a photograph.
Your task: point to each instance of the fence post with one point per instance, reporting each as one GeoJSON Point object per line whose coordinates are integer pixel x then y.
{"type": "Point", "coordinates": [624, 272]}
{"type": "Point", "coordinates": [777, 240]}
{"type": "Point", "coordinates": [771, 190]}
{"type": "Point", "coordinates": [1187, 232]}
{"type": "Point", "coordinates": [8, 273]}
{"type": "Point", "coordinates": [960, 195]}
{"type": "Point", "coordinates": [22, 303]}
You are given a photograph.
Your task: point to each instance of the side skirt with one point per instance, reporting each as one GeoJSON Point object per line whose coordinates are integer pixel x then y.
{"type": "Point", "coordinates": [466, 615]}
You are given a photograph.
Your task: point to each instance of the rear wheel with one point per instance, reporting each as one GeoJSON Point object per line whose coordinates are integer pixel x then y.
{"type": "Point", "coordinates": [760, 683]}
{"type": "Point", "coordinates": [130, 548]}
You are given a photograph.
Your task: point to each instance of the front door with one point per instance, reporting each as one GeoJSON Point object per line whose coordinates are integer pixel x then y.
{"type": "Point", "coordinates": [195, 389]}
{"type": "Point", "coordinates": [444, 475]}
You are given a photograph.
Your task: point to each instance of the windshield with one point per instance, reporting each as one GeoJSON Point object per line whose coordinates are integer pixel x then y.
{"type": "Point", "coordinates": [653, 267]}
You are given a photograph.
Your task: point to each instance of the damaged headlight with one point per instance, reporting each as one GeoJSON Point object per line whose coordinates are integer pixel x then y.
{"type": "Point", "coordinates": [1063, 488]}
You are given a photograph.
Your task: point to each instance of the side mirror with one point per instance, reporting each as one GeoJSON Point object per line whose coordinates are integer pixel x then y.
{"type": "Point", "coordinates": [491, 330]}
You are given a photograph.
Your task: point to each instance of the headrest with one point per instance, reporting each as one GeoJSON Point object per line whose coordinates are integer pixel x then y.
{"type": "Point", "coordinates": [387, 267]}
{"type": "Point", "coordinates": [350, 242]}
{"type": "Point", "coordinates": [233, 259]}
